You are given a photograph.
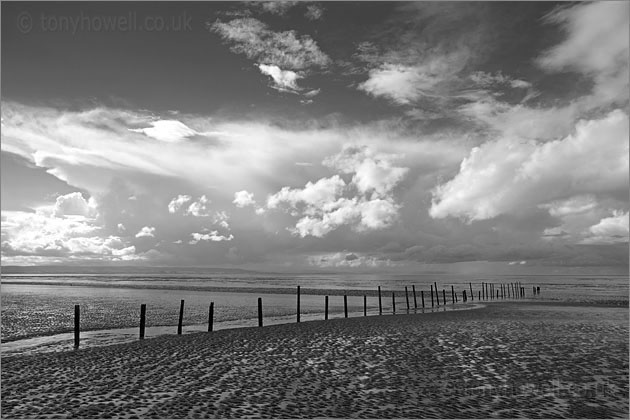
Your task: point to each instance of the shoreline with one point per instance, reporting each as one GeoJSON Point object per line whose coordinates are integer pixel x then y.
{"type": "Point", "coordinates": [508, 359]}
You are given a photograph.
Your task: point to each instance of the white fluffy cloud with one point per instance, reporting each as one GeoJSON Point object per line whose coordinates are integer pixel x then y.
{"type": "Point", "coordinates": [367, 205]}
{"type": "Point", "coordinates": [344, 259]}
{"type": "Point", "coordinates": [177, 203]}
{"type": "Point", "coordinates": [146, 232]}
{"type": "Point", "coordinates": [287, 49]}
{"type": "Point", "coordinates": [213, 236]}
{"type": "Point", "coordinates": [243, 199]}
{"type": "Point", "coordinates": [167, 130]}
{"type": "Point", "coordinates": [283, 80]}
{"type": "Point", "coordinates": [200, 207]}
{"type": "Point", "coordinates": [59, 238]}
{"type": "Point", "coordinates": [613, 229]}
{"type": "Point", "coordinates": [74, 204]}
{"type": "Point", "coordinates": [504, 176]}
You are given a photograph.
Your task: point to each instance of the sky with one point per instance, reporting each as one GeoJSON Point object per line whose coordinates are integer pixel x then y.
{"type": "Point", "coordinates": [296, 136]}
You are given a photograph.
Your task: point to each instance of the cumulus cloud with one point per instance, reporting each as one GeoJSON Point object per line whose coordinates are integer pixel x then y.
{"type": "Point", "coordinates": [199, 208]}
{"type": "Point", "coordinates": [314, 12]}
{"type": "Point", "coordinates": [177, 203]}
{"type": "Point", "coordinates": [283, 80]}
{"type": "Point", "coordinates": [74, 204]}
{"type": "Point", "coordinates": [243, 199]}
{"type": "Point", "coordinates": [44, 236]}
{"type": "Point", "coordinates": [613, 229]}
{"type": "Point", "coordinates": [286, 50]}
{"type": "Point", "coordinates": [167, 130]}
{"type": "Point", "coordinates": [349, 260]}
{"type": "Point", "coordinates": [213, 236]}
{"type": "Point", "coordinates": [365, 203]}
{"type": "Point", "coordinates": [504, 176]}
{"type": "Point", "coordinates": [146, 232]}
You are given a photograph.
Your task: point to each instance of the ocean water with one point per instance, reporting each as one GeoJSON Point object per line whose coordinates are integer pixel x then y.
{"type": "Point", "coordinates": [38, 310]}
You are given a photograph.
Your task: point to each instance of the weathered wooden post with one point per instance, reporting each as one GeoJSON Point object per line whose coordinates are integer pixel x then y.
{"type": "Point", "coordinates": [407, 298]}
{"type": "Point", "coordinates": [483, 293]}
{"type": "Point", "coordinates": [380, 303]}
{"type": "Point", "coordinates": [432, 305]}
{"type": "Point", "coordinates": [464, 297]}
{"type": "Point", "coordinates": [393, 304]}
{"type": "Point", "coordinates": [326, 308]}
{"type": "Point", "coordinates": [471, 292]}
{"type": "Point", "coordinates": [422, 296]}
{"type": "Point", "coordinates": [298, 304]}
{"type": "Point", "coordinates": [211, 317]}
{"type": "Point", "coordinates": [437, 296]}
{"type": "Point", "coordinates": [452, 295]}
{"type": "Point", "coordinates": [260, 315]}
{"type": "Point", "coordinates": [77, 325]}
{"type": "Point", "coordinates": [345, 306]}
{"type": "Point", "coordinates": [415, 299]}
{"type": "Point", "coordinates": [444, 296]}
{"type": "Point", "coordinates": [143, 314]}
{"type": "Point", "coordinates": [364, 305]}
{"type": "Point", "coordinates": [181, 317]}
{"type": "Point", "coordinates": [478, 294]}
{"type": "Point", "coordinates": [538, 290]}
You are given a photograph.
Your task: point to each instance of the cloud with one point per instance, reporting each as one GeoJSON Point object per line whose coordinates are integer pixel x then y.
{"type": "Point", "coordinates": [33, 236]}
{"type": "Point", "coordinates": [167, 130]}
{"type": "Point", "coordinates": [146, 231]}
{"type": "Point", "coordinates": [489, 80]}
{"type": "Point", "coordinates": [74, 204]}
{"type": "Point", "coordinates": [199, 208]}
{"type": "Point", "coordinates": [314, 12]}
{"type": "Point", "coordinates": [178, 202]}
{"type": "Point", "coordinates": [212, 237]}
{"type": "Point", "coordinates": [613, 229]}
{"type": "Point", "coordinates": [347, 260]}
{"type": "Point", "coordinates": [280, 7]}
{"type": "Point", "coordinates": [243, 199]}
{"type": "Point", "coordinates": [597, 44]}
{"type": "Point", "coordinates": [286, 50]}
{"type": "Point", "coordinates": [283, 80]}
{"type": "Point", "coordinates": [504, 176]}
{"type": "Point", "coordinates": [367, 204]}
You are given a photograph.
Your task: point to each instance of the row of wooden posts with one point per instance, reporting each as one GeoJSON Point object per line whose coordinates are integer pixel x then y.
{"type": "Point", "coordinates": [488, 292]}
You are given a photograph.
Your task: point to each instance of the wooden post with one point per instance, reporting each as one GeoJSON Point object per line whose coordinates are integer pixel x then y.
{"type": "Point", "coordinates": [534, 290]}
{"type": "Point", "coordinates": [464, 297]}
{"type": "Point", "coordinates": [444, 296]}
{"type": "Point", "coordinates": [345, 306]}
{"type": "Point", "coordinates": [260, 316]}
{"type": "Point", "coordinates": [211, 317]}
{"type": "Point", "coordinates": [471, 292]}
{"type": "Point", "coordinates": [181, 317]}
{"type": "Point", "coordinates": [77, 325]}
{"type": "Point", "coordinates": [432, 296]}
{"type": "Point", "coordinates": [487, 295]}
{"type": "Point", "coordinates": [407, 298]}
{"type": "Point", "coordinates": [415, 299]}
{"type": "Point", "coordinates": [298, 304]}
{"type": "Point", "coordinates": [143, 314]}
{"type": "Point", "coordinates": [364, 305]}
{"type": "Point", "coordinates": [478, 294]}
{"type": "Point", "coordinates": [452, 295]}
{"type": "Point", "coordinates": [326, 308]}
{"type": "Point", "coordinates": [422, 296]}
{"type": "Point", "coordinates": [393, 303]}
{"type": "Point", "coordinates": [380, 303]}
{"type": "Point", "coordinates": [483, 293]}
{"type": "Point", "coordinates": [437, 297]}
{"type": "Point", "coordinates": [538, 290]}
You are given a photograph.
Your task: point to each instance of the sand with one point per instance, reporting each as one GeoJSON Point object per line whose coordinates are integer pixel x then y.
{"type": "Point", "coordinates": [514, 359]}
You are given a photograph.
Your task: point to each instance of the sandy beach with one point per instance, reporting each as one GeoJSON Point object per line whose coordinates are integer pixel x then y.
{"type": "Point", "coordinates": [516, 359]}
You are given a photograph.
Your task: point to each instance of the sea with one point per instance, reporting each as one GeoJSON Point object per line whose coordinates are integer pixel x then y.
{"type": "Point", "coordinates": [38, 309]}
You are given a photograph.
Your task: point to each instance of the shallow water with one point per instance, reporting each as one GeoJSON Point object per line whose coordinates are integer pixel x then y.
{"type": "Point", "coordinates": [36, 306]}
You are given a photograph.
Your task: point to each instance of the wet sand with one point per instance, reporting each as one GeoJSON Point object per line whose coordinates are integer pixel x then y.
{"type": "Point", "coordinates": [514, 359]}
